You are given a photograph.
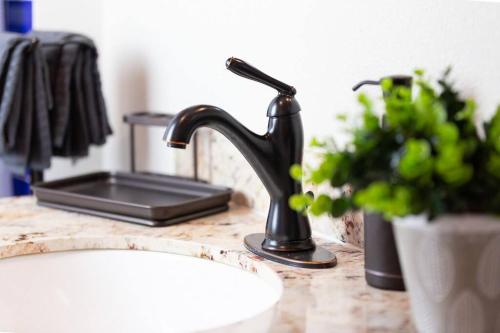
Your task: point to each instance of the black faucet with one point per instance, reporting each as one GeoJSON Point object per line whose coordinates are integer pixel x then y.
{"type": "Point", "coordinates": [288, 233]}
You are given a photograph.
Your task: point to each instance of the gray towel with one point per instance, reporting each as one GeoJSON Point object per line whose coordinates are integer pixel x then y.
{"type": "Point", "coordinates": [51, 100]}
{"type": "Point", "coordinates": [41, 151]}
{"type": "Point", "coordinates": [79, 116]}
{"type": "Point", "coordinates": [25, 139]}
{"type": "Point", "coordinates": [17, 147]}
{"type": "Point", "coordinates": [8, 41]}
{"type": "Point", "coordinates": [10, 92]}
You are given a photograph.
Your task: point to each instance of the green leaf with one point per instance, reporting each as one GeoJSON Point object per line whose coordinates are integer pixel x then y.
{"type": "Point", "coordinates": [390, 200]}
{"type": "Point", "coordinates": [450, 166]}
{"type": "Point", "coordinates": [296, 172]}
{"type": "Point", "coordinates": [419, 72]}
{"type": "Point", "coordinates": [323, 204]}
{"type": "Point", "coordinates": [386, 84]}
{"type": "Point", "coordinates": [315, 143]}
{"type": "Point", "coordinates": [402, 202]}
{"type": "Point", "coordinates": [467, 113]}
{"type": "Point", "coordinates": [341, 117]}
{"type": "Point", "coordinates": [399, 109]}
{"type": "Point", "coordinates": [416, 161]}
{"type": "Point", "coordinates": [447, 133]}
{"type": "Point", "coordinates": [340, 206]}
{"type": "Point", "coordinates": [493, 131]}
{"type": "Point", "coordinates": [365, 101]}
{"type": "Point", "coordinates": [373, 198]}
{"type": "Point", "coordinates": [493, 164]}
{"type": "Point", "coordinates": [300, 202]}
{"type": "Point", "coordinates": [370, 121]}
{"type": "Point", "coordinates": [333, 168]}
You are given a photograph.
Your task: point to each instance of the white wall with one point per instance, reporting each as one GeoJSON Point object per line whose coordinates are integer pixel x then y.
{"type": "Point", "coordinates": [168, 55]}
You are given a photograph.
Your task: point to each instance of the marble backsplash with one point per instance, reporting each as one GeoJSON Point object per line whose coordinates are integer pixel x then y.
{"type": "Point", "coordinates": [219, 162]}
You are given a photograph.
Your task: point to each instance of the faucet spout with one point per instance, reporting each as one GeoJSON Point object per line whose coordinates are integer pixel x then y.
{"type": "Point", "coordinates": [255, 148]}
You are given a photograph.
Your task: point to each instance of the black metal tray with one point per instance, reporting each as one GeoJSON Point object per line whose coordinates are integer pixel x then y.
{"type": "Point", "coordinates": [154, 200]}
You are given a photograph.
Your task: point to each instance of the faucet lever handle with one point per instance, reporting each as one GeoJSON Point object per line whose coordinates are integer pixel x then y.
{"type": "Point", "coordinates": [245, 70]}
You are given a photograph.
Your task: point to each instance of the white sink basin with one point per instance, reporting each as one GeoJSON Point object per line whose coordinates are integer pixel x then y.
{"type": "Point", "coordinates": [129, 291]}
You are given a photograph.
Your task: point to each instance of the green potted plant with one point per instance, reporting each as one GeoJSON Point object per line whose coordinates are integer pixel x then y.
{"type": "Point", "coordinates": [428, 167]}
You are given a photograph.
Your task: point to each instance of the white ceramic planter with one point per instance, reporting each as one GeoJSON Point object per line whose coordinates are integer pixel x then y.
{"type": "Point", "coordinates": [452, 272]}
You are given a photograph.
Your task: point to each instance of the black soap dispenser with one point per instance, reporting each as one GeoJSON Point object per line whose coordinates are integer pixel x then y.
{"type": "Point", "coordinates": [382, 268]}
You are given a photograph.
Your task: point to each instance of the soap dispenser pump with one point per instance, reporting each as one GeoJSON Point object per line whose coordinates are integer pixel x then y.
{"type": "Point", "coordinates": [397, 80]}
{"type": "Point", "coordinates": [382, 267]}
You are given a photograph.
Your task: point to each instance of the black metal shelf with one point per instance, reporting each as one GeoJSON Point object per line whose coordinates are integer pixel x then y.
{"type": "Point", "coordinates": [154, 119]}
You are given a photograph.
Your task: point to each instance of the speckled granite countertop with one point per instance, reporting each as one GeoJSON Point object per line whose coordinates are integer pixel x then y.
{"type": "Point", "coordinates": [329, 300]}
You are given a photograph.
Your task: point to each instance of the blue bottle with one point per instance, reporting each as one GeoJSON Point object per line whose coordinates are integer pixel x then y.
{"type": "Point", "coordinates": [17, 18]}
{"type": "Point", "coordinates": [18, 15]}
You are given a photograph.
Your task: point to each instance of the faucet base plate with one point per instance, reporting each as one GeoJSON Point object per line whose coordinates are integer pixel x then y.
{"type": "Point", "coordinates": [318, 257]}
